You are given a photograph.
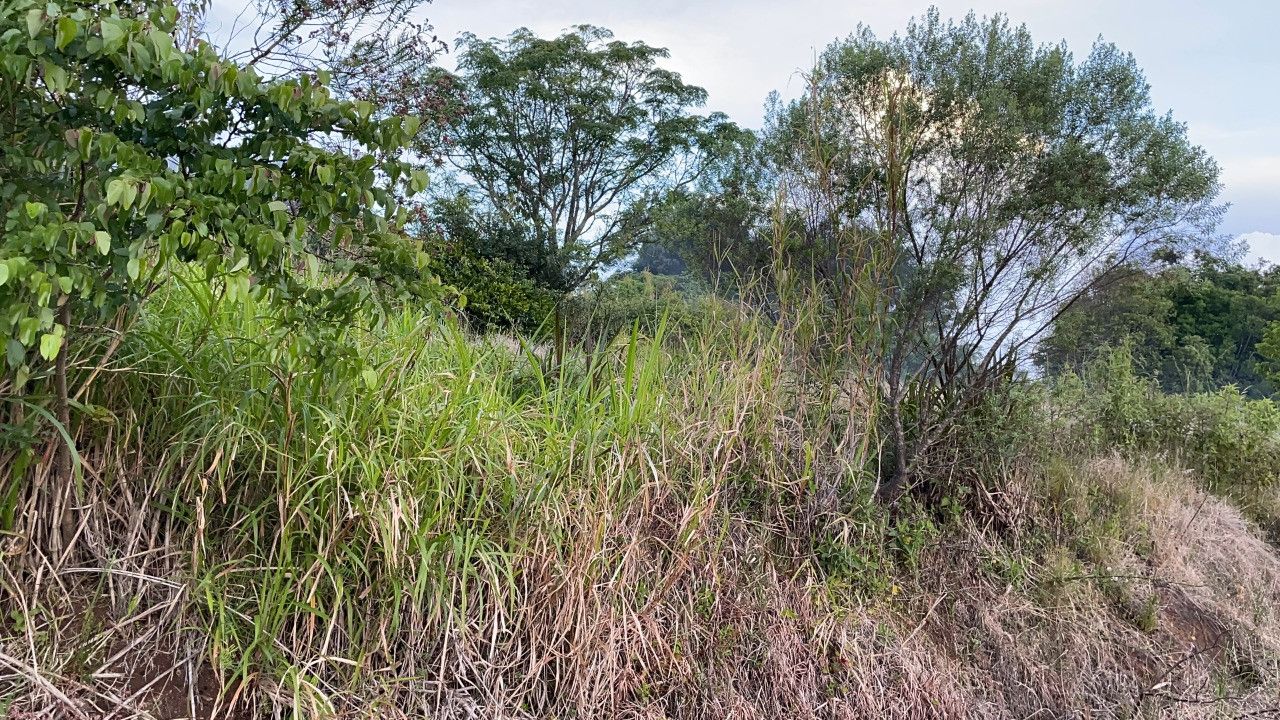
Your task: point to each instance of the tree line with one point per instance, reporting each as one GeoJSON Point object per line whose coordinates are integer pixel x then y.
{"type": "Point", "coordinates": [954, 202]}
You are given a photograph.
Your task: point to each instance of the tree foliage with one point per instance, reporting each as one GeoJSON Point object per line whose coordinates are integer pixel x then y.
{"type": "Point", "coordinates": [711, 228]}
{"type": "Point", "coordinates": [486, 257]}
{"type": "Point", "coordinates": [123, 154]}
{"type": "Point", "coordinates": [1192, 326]}
{"type": "Point", "coordinates": [564, 134]}
{"type": "Point", "coordinates": [1001, 174]}
{"type": "Point", "coordinates": [125, 160]}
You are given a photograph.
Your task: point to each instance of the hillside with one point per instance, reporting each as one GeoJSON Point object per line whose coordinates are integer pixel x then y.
{"type": "Point", "coordinates": [469, 537]}
{"type": "Point", "coordinates": [339, 385]}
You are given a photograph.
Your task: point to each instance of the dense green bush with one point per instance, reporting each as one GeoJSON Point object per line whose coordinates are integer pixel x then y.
{"type": "Point", "coordinates": [622, 301]}
{"type": "Point", "coordinates": [1232, 441]}
{"type": "Point", "coordinates": [495, 294]}
{"type": "Point", "coordinates": [488, 260]}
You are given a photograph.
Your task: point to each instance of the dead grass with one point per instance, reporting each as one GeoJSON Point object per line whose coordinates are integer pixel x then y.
{"type": "Point", "coordinates": [642, 546]}
{"type": "Point", "coordinates": [625, 619]}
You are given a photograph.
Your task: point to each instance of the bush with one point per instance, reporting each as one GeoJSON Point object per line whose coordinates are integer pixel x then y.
{"type": "Point", "coordinates": [1231, 441]}
{"type": "Point", "coordinates": [497, 295]}
{"type": "Point", "coordinates": [622, 301]}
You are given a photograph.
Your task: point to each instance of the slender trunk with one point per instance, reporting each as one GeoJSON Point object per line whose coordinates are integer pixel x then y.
{"type": "Point", "coordinates": [899, 480]}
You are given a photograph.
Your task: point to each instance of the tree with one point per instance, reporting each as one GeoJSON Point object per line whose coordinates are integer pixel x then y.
{"type": "Point", "coordinates": [373, 51]}
{"type": "Point", "coordinates": [563, 134]}
{"type": "Point", "coordinates": [711, 227]}
{"type": "Point", "coordinates": [1003, 176]}
{"type": "Point", "coordinates": [481, 254]}
{"type": "Point", "coordinates": [124, 157]}
{"type": "Point", "coordinates": [1194, 325]}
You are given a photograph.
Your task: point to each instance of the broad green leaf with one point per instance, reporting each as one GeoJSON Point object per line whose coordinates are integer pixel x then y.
{"type": "Point", "coordinates": [115, 191]}
{"type": "Point", "coordinates": [67, 30]}
{"type": "Point", "coordinates": [50, 343]}
{"type": "Point", "coordinates": [102, 239]}
{"type": "Point", "coordinates": [15, 353]}
{"type": "Point", "coordinates": [129, 194]}
{"type": "Point", "coordinates": [113, 34]}
{"type": "Point", "coordinates": [418, 181]}
{"type": "Point", "coordinates": [134, 268]}
{"type": "Point", "coordinates": [35, 21]}
{"type": "Point", "coordinates": [55, 76]}
{"type": "Point", "coordinates": [35, 209]}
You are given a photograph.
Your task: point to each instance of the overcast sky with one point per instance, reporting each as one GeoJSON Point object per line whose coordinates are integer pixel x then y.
{"type": "Point", "coordinates": [1214, 64]}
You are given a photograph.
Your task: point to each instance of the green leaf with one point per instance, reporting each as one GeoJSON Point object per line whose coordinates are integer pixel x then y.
{"type": "Point", "coordinates": [277, 206]}
{"type": "Point", "coordinates": [115, 191]}
{"type": "Point", "coordinates": [4, 272]}
{"type": "Point", "coordinates": [67, 31]}
{"type": "Point", "coordinates": [15, 352]}
{"type": "Point", "coordinates": [35, 209]}
{"type": "Point", "coordinates": [102, 239]}
{"type": "Point", "coordinates": [55, 76]}
{"type": "Point", "coordinates": [134, 268]}
{"type": "Point", "coordinates": [113, 34]}
{"type": "Point", "coordinates": [418, 181]}
{"type": "Point", "coordinates": [370, 377]}
{"type": "Point", "coordinates": [130, 194]}
{"type": "Point", "coordinates": [35, 21]}
{"type": "Point", "coordinates": [50, 343]}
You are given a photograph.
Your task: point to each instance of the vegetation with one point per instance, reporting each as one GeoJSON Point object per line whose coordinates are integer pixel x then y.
{"type": "Point", "coordinates": [285, 435]}
{"type": "Point", "coordinates": [1196, 326]}
{"type": "Point", "coordinates": [560, 133]}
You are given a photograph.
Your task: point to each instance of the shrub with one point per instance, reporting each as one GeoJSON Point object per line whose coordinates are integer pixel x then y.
{"type": "Point", "coordinates": [1231, 441]}
{"type": "Point", "coordinates": [622, 301]}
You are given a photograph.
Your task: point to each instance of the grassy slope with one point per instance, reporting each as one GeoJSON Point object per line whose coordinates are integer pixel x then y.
{"type": "Point", "coordinates": [674, 533]}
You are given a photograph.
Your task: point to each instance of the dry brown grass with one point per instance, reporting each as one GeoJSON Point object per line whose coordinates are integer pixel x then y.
{"type": "Point", "coordinates": [668, 567]}
{"type": "Point", "coordinates": [628, 620]}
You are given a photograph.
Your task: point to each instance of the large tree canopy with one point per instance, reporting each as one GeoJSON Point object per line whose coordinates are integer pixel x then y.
{"type": "Point", "coordinates": [564, 134]}
{"type": "Point", "coordinates": [999, 174]}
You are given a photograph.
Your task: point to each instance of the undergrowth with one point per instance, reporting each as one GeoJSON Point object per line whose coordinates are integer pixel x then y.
{"type": "Point", "coordinates": [676, 524]}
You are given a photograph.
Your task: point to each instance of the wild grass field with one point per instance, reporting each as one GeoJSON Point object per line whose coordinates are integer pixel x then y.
{"type": "Point", "coordinates": [669, 526]}
{"type": "Point", "coordinates": [337, 385]}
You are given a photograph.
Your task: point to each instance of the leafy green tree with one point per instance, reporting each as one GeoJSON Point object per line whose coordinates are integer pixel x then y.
{"type": "Point", "coordinates": [712, 227]}
{"type": "Point", "coordinates": [572, 137]}
{"type": "Point", "coordinates": [122, 156]}
{"type": "Point", "coordinates": [1194, 326]}
{"type": "Point", "coordinates": [483, 256]}
{"type": "Point", "coordinates": [1001, 175]}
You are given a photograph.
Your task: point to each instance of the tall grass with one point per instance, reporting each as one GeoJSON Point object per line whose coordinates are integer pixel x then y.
{"type": "Point", "coordinates": [678, 523]}
{"type": "Point", "coordinates": [331, 530]}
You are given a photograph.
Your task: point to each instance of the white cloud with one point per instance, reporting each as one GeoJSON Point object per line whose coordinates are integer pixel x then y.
{"type": "Point", "coordinates": [1262, 246]}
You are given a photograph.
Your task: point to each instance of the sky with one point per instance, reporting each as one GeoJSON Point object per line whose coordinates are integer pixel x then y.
{"type": "Point", "coordinates": [1214, 65]}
